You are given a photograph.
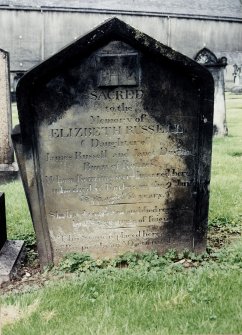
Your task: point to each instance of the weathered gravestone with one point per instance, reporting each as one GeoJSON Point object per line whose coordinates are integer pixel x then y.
{"type": "Point", "coordinates": [237, 88]}
{"type": "Point", "coordinates": [11, 251]}
{"type": "Point", "coordinates": [237, 75]}
{"type": "Point", "coordinates": [115, 146]}
{"type": "Point", "coordinates": [216, 66]}
{"type": "Point", "coordinates": [8, 169]}
{"type": "Point", "coordinates": [3, 229]}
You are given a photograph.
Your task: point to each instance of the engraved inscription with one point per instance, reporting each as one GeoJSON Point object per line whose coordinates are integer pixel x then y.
{"type": "Point", "coordinates": [122, 167]}
{"type": "Point", "coordinates": [119, 169]}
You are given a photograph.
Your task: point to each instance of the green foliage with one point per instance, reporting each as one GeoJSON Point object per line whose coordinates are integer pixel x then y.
{"type": "Point", "coordinates": [31, 258]}
{"type": "Point", "coordinates": [230, 256]}
{"type": "Point", "coordinates": [29, 238]}
{"type": "Point", "coordinates": [76, 262]}
{"type": "Point", "coordinates": [151, 261]}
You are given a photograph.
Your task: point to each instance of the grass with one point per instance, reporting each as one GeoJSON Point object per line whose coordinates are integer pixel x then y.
{"type": "Point", "coordinates": [226, 180]}
{"type": "Point", "coordinates": [143, 300]}
{"type": "Point", "coordinates": [15, 120]}
{"type": "Point", "coordinates": [129, 302]}
{"type": "Point", "coordinates": [18, 218]}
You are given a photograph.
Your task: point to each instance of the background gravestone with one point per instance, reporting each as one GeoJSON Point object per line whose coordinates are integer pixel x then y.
{"type": "Point", "coordinates": [3, 229]}
{"type": "Point", "coordinates": [237, 88]}
{"type": "Point", "coordinates": [216, 67]}
{"type": "Point", "coordinates": [7, 168]}
{"type": "Point", "coordinates": [115, 146]}
{"type": "Point", "coordinates": [237, 75]}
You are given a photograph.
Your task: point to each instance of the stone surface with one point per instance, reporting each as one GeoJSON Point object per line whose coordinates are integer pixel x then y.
{"type": "Point", "coordinates": [6, 150]}
{"type": "Point", "coordinates": [237, 89]}
{"type": "Point", "coordinates": [237, 75]}
{"type": "Point", "coordinates": [216, 67]}
{"type": "Point", "coordinates": [114, 146]}
{"type": "Point", "coordinates": [10, 259]}
{"type": "Point", "coordinates": [3, 229]}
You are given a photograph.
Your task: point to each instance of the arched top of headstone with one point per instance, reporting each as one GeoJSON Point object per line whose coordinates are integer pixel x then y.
{"type": "Point", "coordinates": [207, 57]}
{"type": "Point", "coordinates": [110, 30]}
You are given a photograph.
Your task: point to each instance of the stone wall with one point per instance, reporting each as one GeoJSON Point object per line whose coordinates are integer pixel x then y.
{"type": "Point", "coordinates": [35, 34]}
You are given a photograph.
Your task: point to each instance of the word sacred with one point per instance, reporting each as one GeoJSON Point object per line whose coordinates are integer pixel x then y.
{"type": "Point", "coordinates": [116, 95]}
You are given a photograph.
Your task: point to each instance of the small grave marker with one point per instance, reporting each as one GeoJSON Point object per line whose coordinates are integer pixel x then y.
{"type": "Point", "coordinates": [216, 67]}
{"type": "Point", "coordinates": [3, 229]}
{"type": "Point", "coordinates": [8, 170]}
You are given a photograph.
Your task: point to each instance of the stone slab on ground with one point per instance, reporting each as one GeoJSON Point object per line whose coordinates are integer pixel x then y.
{"type": "Point", "coordinates": [8, 172]}
{"type": "Point", "coordinates": [10, 258]}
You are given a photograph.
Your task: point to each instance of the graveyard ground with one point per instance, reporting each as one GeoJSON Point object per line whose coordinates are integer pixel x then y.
{"type": "Point", "coordinates": [175, 294]}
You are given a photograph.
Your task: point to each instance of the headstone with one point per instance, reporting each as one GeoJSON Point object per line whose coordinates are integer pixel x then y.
{"type": "Point", "coordinates": [8, 169]}
{"type": "Point", "coordinates": [115, 146]}
{"type": "Point", "coordinates": [11, 251]}
{"type": "Point", "coordinates": [216, 67]}
{"type": "Point", "coordinates": [237, 88]}
{"type": "Point", "coordinates": [3, 229]}
{"type": "Point", "coordinates": [237, 75]}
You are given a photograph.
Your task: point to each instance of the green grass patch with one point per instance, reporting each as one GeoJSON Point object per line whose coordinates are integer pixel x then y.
{"type": "Point", "coordinates": [236, 154]}
{"type": "Point", "coordinates": [19, 224]}
{"type": "Point", "coordinates": [134, 302]}
{"type": "Point", "coordinates": [15, 119]}
{"type": "Point", "coordinates": [226, 179]}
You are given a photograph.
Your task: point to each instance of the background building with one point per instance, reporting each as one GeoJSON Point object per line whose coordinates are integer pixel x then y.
{"type": "Point", "coordinates": [32, 30]}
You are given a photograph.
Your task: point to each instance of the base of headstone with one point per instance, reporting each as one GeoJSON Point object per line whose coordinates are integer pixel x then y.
{"type": "Point", "coordinates": [10, 259]}
{"type": "Point", "coordinates": [220, 132]}
{"type": "Point", "coordinates": [237, 89]}
{"type": "Point", "coordinates": [8, 173]}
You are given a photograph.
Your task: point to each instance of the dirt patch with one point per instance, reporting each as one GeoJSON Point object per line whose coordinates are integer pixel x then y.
{"type": "Point", "coordinates": [31, 283]}
{"type": "Point", "coordinates": [12, 313]}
